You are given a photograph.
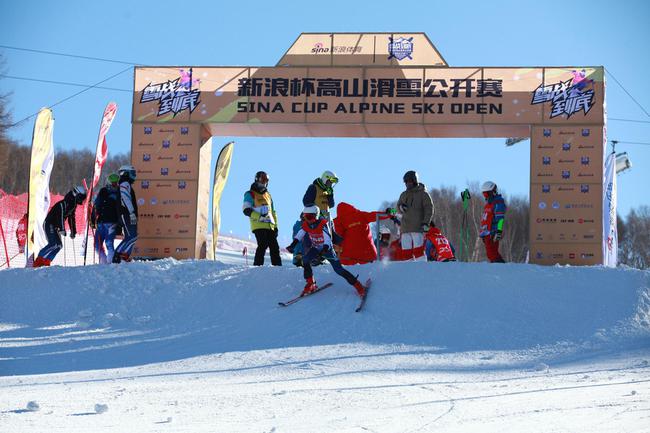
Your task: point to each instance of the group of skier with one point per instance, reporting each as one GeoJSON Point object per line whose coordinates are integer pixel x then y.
{"type": "Point", "coordinates": [348, 240]}
{"type": "Point", "coordinates": [114, 211]}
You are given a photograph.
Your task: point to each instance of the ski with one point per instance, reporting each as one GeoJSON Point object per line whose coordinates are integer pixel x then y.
{"type": "Point", "coordinates": [363, 300]}
{"type": "Point", "coordinates": [298, 298]}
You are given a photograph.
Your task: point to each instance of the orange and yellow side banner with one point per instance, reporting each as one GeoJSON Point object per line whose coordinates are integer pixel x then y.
{"type": "Point", "coordinates": [221, 171]}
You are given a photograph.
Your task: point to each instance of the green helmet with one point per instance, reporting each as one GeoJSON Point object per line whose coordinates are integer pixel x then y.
{"type": "Point", "coordinates": [113, 178]}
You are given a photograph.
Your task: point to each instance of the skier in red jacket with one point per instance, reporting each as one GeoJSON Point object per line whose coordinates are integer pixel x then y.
{"type": "Point", "coordinates": [438, 248]}
{"type": "Point", "coordinates": [317, 243]}
{"type": "Point", "coordinates": [352, 225]}
{"type": "Point", "coordinates": [21, 233]}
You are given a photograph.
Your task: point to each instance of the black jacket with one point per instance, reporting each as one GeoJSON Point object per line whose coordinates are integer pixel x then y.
{"type": "Point", "coordinates": [61, 211]}
{"type": "Point", "coordinates": [107, 205]}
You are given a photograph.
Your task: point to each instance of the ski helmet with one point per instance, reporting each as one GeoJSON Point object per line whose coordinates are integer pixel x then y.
{"type": "Point", "coordinates": [262, 178]}
{"type": "Point", "coordinates": [313, 209]}
{"type": "Point", "coordinates": [113, 179]}
{"type": "Point", "coordinates": [383, 230]}
{"type": "Point", "coordinates": [489, 186]}
{"type": "Point", "coordinates": [329, 176]}
{"type": "Point", "coordinates": [411, 176]}
{"type": "Point", "coordinates": [127, 170]}
{"type": "Point", "coordinates": [79, 193]}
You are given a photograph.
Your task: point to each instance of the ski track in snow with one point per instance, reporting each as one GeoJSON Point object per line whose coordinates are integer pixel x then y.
{"type": "Point", "coordinates": [176, 346]}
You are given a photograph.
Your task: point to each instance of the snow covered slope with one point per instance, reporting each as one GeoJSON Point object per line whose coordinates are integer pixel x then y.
{"type": "Point", "coordinates": [173, 326]}
{"type": "Point", "coordinates": [63, 319]}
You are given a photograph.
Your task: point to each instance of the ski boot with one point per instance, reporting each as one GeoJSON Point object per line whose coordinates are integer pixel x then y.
{"type": "Point", "coordinates": [310, 287]}
{"type": "Point", "coordinates": [40, 261]}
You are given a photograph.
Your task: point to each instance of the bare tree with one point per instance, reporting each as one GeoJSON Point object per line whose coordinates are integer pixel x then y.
{"type": "Point", "coordinates": [634, 238]}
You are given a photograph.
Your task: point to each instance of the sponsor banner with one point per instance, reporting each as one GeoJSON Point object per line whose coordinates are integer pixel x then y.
{"type": "Point", "coordinates": [167, 208]}
{"type": "Point", "coordinates": [610, 231]}
{"type": "Point", "coordinates": [566, 254]}
{"type": "Point", "coordinates": [167, 151]}
{"type": "Point", "coordinates": [42, 161]}
{"type": "Point", "coordinates": [566, 155]}
{"type": "Point", "coordinates": [221, 171]}
{"type": "Point", "coordinates": [333, 94]}
{"type": "Point", "coordinates": [154, 247]}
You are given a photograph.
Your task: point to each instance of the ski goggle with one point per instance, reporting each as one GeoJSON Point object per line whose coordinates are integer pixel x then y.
{"type": "Point", "coordinates": [331, 180]}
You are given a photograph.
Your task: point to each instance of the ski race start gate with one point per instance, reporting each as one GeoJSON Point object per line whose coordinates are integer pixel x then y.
{"type": "Point", "coordinates": [371, 85]}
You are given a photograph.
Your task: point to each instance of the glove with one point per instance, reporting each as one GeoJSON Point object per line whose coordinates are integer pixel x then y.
{"type": "Point", "coordinates": [62, 232]}
{"type": "Point", "coordinates": [396, 221]}
{"type": "Point", "coordinates": [325, 250]}
{"type": "Point", "coordinates": [390, 211]}
{"type": "Point", "coordinates": [291, 247]}
{"type": "Point", "coordinates": [425, 228]}
{"type": "Point", "coordinates": [133, 219]}
{"type": "Point", "coordinates": [275, 232]}
{"type": "Point", "coordinates": [72, 235]}
{"type": "Point", "coordinates": [498, 235]}
{"type": "Point", "coordinates": [402, 207]}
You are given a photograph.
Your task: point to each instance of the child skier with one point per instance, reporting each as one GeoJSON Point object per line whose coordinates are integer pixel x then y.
{"type": "Point", "coordinates": [317, 242]}
{"type": "Point", "coordinates": [437, 246]}
{"type": "Point", "coordinates": [492, 221]}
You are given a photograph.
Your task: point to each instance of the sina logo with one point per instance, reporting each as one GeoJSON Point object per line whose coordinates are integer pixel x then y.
{"type": "Point", "coordinates": [547, 132]}
{"type": "Point", "coordinates": [542, 205]}
{"type": "Point", "coordinates": [146, 157]}
{"type": "Point", "coordinates": [182, 157]}
{"type": "Point", "coordinates": [164, 171]}
{"type": "Point", "coordinates": [584, 160]}
{"type": "Point", "coordinates": [546, 188]}
{"type": "Point", "coordinates": [147, 130]}
{"type": "Point", "coordinates": [154, 201]}
{"type": "Point", "coordinates": [166, 144]}
{"type": "Point", "coordinates": [546, 160]}
{"type": "Point", "coordinates": [400, 48]}
{"type": "Point", "coordinates": [319, 48]}
{"type": "Point", "coordinates": [585, 132]}
{"type": "Point", "coordinates": [182, 184]}
{"type": "Point", "coordinates": [556, 205]}
{"type": "Point", "coordinates": [566, 146]}
{"type": "Point", "coordinates": [185, 130]}
{"type": "Point", "coordinates": [584, 188]}
{"type": "Point", "coordinates": [144, 184]}
{"type": "Point", "coordinates": [566, 174]}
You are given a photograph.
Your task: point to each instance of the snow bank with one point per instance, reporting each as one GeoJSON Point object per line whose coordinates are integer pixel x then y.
{"type": "Point", "coordinates": [68, 319]}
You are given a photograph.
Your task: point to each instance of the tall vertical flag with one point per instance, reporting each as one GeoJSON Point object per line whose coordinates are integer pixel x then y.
{"type": "Point", "coordinates": [221, 171]}
{"type": "Point", "coordinates": [100, 158]}
{"type": "Point", "coordinates": [610, 231]}
{"type": "Point", "coordinates": [40, 169]}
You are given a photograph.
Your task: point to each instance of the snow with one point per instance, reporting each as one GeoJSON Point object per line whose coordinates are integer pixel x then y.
{"type": "Point", "coordinates": [202, 346]}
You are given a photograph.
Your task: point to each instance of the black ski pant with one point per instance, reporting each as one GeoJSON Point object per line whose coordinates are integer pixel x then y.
{"type": "Point", "coordinates": [267, 238]}
{"type": "Point", "coordinates": [314, 253]}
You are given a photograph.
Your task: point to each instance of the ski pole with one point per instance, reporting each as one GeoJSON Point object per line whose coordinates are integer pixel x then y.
{"type": "Point", "coordinates": [74, 254]}
{"type": "Point", "coordinates": [65, 260]}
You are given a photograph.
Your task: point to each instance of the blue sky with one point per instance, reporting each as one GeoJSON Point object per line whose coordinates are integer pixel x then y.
{"type": "Point", "coordinates": [474, 33]}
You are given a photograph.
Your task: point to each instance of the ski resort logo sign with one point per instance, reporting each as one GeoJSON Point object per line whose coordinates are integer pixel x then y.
{"type": "Point", "coordinates": [567, 97]}
{"type": "Point", "coordinates": [172, 96]}
{"type": "Point", "coordinates": [400, 48]}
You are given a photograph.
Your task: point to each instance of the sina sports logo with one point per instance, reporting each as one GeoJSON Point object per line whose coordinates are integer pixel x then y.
{"type": "Point", "coordinates": [584, 188]}
{"type": "Point", "coordinates": [567, 97]}
{"type": "Point", "coordinates": [566, 146]}
{"type": "Point", "coordinates": [146, 157]}
{"type": "Point", "coordinates": [319, 48]}
{"type": "Point", "coordinates": [547, 132]}
{"type": "Point", "coordinates": [584, 160]}
{"type": "Point", "coordinates": [147, 130]}
{"type": "Point", "coordinates": [166, 144]}
{"type": "Point", "coordinates": [144, 184]}
{"type": "Point", "coordinates": [566, 174]}
{"type": "Point", "coordinates": [546, 160]}
{"type": "Point", "coordinates": [164, 171]}
{"type": "Point", "coordinates": [400, 48]}
{"type": "Point", "coordinates": [182, 157]}
{"type": "Point", "coordinates": [585, 132]}
{"type": "Point", "coordinates": [546, 188]}
{"type": "Point", "coordinates": [182, 184]}
{"type": "Point", "coordinates": [185, 130]}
